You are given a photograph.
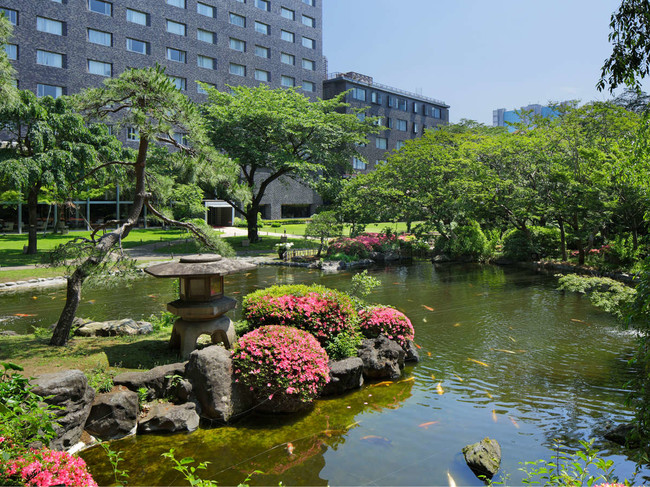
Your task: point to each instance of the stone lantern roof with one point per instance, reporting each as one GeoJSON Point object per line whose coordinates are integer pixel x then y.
{"type": "Point", "coordinates": [199, 265]}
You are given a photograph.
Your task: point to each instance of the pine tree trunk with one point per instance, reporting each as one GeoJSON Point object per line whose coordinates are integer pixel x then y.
{"type": "Point", "coordinates": [32, 209]}
{"type": "Point", "coordinates": [562, 240]}
{"type": "Point", "coordinates": [251, 222]}
{"type": "Point", "coordinates": [73, 297]}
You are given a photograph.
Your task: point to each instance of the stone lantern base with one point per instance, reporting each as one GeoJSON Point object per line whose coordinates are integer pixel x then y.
{"type": "Point", "coordinates": [186, 333]}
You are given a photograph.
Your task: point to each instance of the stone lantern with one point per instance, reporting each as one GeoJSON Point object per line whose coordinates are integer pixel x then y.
{"type": "Point", "coordinates": [202, 303]}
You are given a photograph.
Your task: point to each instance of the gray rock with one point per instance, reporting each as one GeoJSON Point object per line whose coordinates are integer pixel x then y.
{"type": "Point", "coordinates": [20, 283]}
{"type": "Point", "coordinates": [210, 372]}
{"type": "Point", "coordinates": [2, 284]}
{"type": "Point", "coordinates": [10, 284]}
{"type": "Point", "coordinates": [70, 391]}
{"type": "Point", "coordinates": [620, 434]}
{"type": "Point", "coordinates": [412, 354]}
{"type": "Point", "coordinates": [345, 375]}
{"type": "Point", "coordinates": [32, 281]}
{"type": "Point", "coordinates": [168, 418]}
{"type": "Point", "coordinates": [125, 327]}
{"type": "Point", "coordinates": [382, 358]}
{"type": "Point", "coordinates": [8, 333]}
{"type": "Point", "coordinates": [113, 415]}
{"type": "Point", "coordinates": [484, 457]}
{"type": "Point", "coordinates": [159, 380]}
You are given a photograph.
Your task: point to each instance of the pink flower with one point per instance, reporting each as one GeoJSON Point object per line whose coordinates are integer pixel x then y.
{"type": "Point", "coordinates": [387, 321]}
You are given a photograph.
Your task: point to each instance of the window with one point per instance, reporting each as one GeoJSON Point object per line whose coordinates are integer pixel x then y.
{"type": "Point", "coordinates": [237, 69]}
{"type": "Point", "coordinates": [49, 90]}
{"type": "Point", "coordinates": [392, 101]}
{"type": "Point", "coordinates": [100, 68]}
{"type": "Point", "coordinates": [237, 45]}
{"type": "Point", "coordinates": [310, 2]}
{"type": "Point", "coordinates": [204, 9]}
{"type": "Point", "coordinates": [416, 128]}
{"type": "Point", "coordinates": [380, 162]}
{"type": "Point", "coordinates": [58, 1]}
{"type": "Point", "coordinates": [309, 64]}
{"type": "Point", "coordinates": [176, 55]}
{"type": "Point", "coordinates": [288, 14]}
{"type": "Point", "coordinates": [287, 81]}
{"type": "Point", "coordinates": [134, 45]}
{"type": "Point", "coordinates": [12, 15]}
{"type": "Point", "coordinates": [285, 35]}
{"type": "Point", "coordinates": [100, 7]}
{"type": "Point", "coordinates": [309, 43]}
{"type": "Point", "coordinates": [399, 144]}
{"type": "Point", "coordinates": [309, 21]}
{"type": "Point", "coordinates": [137, 17]}
{"type": "Point", "coordinates": [261, 75]}
{"type": "Point", "coordinates": [177, 3]}
{"type": "Point", "coordinates": [180, 138]}
{"type": "Point", "coordinates": [401, 105]}
{"type": "Point", "coordinates": [379, 121]}
{"type": "Point", "coordinates": [47, 58]}
{"type": "Point", "coordinates": [263, 4]}
{"type": "Point", "coordinates": [205, 36]}
{"type": "Point", "coordinates": [99, 37]}
{"type": "Point", "coordinates": [288, 58]}
{"type": "Point", "coordinates": [435, 112]}
{"type": "Point", "coordinates": [262, 28]}
{"type": "Point", "coordinates": [381, 142]}
{"type": "Point", "coordinates": [389, 122]}
{"type": "Point", "coordinates": [12, 51]}
{"type": "Point", "coordinates": [203, 91]}
{"type": "Point", "coordinates": [308, 86]}
{"type": "Point", "coordinates": [376, 98]}
{"type": "Point", "coordinates": [401, 125]}
{"type": "Point", "coordinates": [237, 20]}
{"type": "Point", "coordinates": [416, 106]}
{"type": "Point", "coordinates": [179, 83]}
{"type": "Point", "coordinates": [358, 164]}
{"type": "Point", "coordinates": [361, 116]}
{"type": "Point", "coordinates": [261, 51]}
{"type": "Point", "coordinates": [176, 28]}
{"type": "Point", "coordinates": [206, 62]}
{"type": "Point", "coordinates": [359, 94]}
{"type": "Point", "coordinates": [132, 134]}
{"type": "Point", "coordinates": [50, 26]}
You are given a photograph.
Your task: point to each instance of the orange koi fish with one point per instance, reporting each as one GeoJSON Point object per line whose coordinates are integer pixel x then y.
{"type": "Point", "coordinates": [410, 379]}
{"type": "Point", "coordinates": [426, 425]}
{"type": "Point", "coordinates": [429, 354]}
{"type": "Point", "coordinates": [495, 418]}
{"type": "Point", "coordinates": [151, 296]}
{"type": "Point", "coordinates": [290, 448]}
{"type": "Point", "coordinates": [34, 297]}
{"type": "Point", "coordinates": [459, 377]}
{"type": "Point", "coordinates": [24, 315]}
{"type": "Point", "coordinates": [386, 383]}
{"type": "Point", "coordinates": [428, 307]}
{"type": "Point", "coordinates": [513, 422]}
{"type": "Point", "coordinates": [477, 362]}
{"type": "Point", "coordinates": [418, 346]}
{"type": "Point", "coordinates": [439, 388]}
{"type": "Point", "coordinates": [91, 301]}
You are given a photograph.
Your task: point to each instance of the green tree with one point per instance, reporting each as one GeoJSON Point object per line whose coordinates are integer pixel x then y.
{"type": "Point", "coordinates": [146, 102]}
{"type": "Point", "coordinates": [279, 133]}
{"type": "Point", "coordinates": [323, 225]}
{"type": "Point", "coordinates": [49, 147]}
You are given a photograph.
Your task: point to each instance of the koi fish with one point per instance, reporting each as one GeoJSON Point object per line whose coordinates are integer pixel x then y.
{"type": "Point", "coordinates": [495, 418]}
{"type": "Point", "coordinates": [513, 422]}
{"type": "Point", "coordinates": [439, 388]}
{"type": "Point", "coordinates": [53, 297]}
{"type": "Point", "coordinates": [456, 325]}
{"type": "Point", "coordinates": [424, 320]}
{"type": "Point", "coordinates": [290, 448]}
{"type": "Point", "coordinates": [418, 346]}
{"type": "Point", "coordinates": [377, 440]}
{"type": "Point", "coordinates": [575, 320]}
{"type": "Point", "coordinates": [477, 362]}
{"type": "Point", "coordinates": [151, 296]}
{"type": "Point", "coordinates": [382, 384]}
{"type": "Point", "coordinates": [504, 351]}
{"type": "Point", "coordinates": [236, 292]}
{"type": "Point", "coordinates": [91, 301]}
{"type": "Point", "coordinates": [34, 297]}
{"type": "Point", "coordinates": [513, 340]}
{"type": "Point", "coordinates": [428, 307]}
{"type": "Point", "coordinates": [410, 379]}
{"type": "Point", "coordinates": [433, 377]}
{"type": "Point", "coordinates": [426, 425]}
{"type": "Point", "coordinates": [452, 482]}
{"type": "Point", "coordinates": [488, 394]}
{"type": "Point", "coordinates": [429, 354]}
{"type": "Point", "coordinates": [459, 377]}
{"type": "Point", "coordinates": [24, 315]}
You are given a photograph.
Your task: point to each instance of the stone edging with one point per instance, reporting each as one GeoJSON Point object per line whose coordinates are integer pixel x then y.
{"type": "Point", "coordinates": [566, 268]}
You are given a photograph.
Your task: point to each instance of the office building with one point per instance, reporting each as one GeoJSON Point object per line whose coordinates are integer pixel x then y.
{"type": "Point", "coordinates": [403, 115]}
{"type": "Point", "coordinates": [505, 118]}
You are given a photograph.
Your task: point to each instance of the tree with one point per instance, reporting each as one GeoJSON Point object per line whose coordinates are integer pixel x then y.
{"type": "Point", "coordinates": [8, 91]}
{"type": "Point", "coordinates": [48, 146]}
{"type": "Point", "coordinates": [279, 133]}
{"type": "Point", "coordinates": [322, 226]}
{"type": "Point", "coordinates": [148, 103]}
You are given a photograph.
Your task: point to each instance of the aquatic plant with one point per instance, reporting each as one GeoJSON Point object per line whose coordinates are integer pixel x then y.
{"type": "Point", "coordinates": [383, 320]}
{"type": "Point", "coordinates": [281, 360]}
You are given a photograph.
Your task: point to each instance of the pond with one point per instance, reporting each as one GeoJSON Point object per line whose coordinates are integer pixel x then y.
{"type": "Point", "coordinates": [504, 355]}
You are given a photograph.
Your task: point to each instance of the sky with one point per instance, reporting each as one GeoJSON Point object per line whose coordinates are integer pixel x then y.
{"type": "Point", "coordinates": [475, 55]}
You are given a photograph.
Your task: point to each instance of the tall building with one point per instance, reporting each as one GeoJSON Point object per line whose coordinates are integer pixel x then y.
{"type": "Point", "coordinates": [63, 46]}
{"type": "Point", "coordinates": [403, 115]}
{"type": "Point", "coordinates": [502, 117]}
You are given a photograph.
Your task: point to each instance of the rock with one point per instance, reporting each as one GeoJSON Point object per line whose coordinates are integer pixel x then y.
{"type": "Point", "coordinates": [113, 415]}
{"type": "Point", "coordinates": [210, 372]}
{"type": "Point", "coordinates": [32, 281]}
{"type": "Point", "coordinates": [382, 358]}
{"type": "Point", "coordinates": [345, 375]}
{"type": "Point", "coordinates": [441, 258]}
{"type": "Point", "coordinates": [125, 327]}
{"type": "Point", "coordinates": [70, 391]}
{"type": "Point", "coordinates": [160, 381]}
{"type": "Point", "coordinates": [8, 333]}
{"type": "Point", "coordinates": [484, 457]}
{"type": "Point", "coordinates": [620, 434]}
{"type": "Point", "coordinates": [10, 284]}
{"type": "Point", "coordinates": [169, 418]}
{"type": "Point", "coordinates": [412, 354]}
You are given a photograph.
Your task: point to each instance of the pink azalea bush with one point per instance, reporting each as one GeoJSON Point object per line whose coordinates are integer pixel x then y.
{"type": "Point", "coordinates": [362, 244]}
{"type": "Point", "coordinates": [42, 467]}
{"type": "Point", "coordinates": [382, 320]}
{"type": "Point", "coordinates": [325, 313]}
{"type": "Point", "coordinates": [281, 360]}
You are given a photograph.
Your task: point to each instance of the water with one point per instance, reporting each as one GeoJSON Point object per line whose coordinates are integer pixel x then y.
{"type": "Point", "coordinates": [504, 346]}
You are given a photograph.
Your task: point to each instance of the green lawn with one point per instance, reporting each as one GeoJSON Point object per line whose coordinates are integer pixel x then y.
{"type": "Point", "coordinates": [265, 245]}
{"type": "Point", "coordinates": [11, 245]}
{"type": "Point", "coordinates": [299, 229]}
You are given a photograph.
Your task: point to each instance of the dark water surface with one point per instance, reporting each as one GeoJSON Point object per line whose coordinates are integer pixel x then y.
{"type": "Point", "coordinates": [515, 360]}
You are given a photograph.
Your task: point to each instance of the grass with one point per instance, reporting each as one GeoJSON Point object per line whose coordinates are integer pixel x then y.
{"type": "Point", "coordinates": [11, 245]}
{"type": "Point", "coordinates": [299, 229]}
{"type": "Point", "coordinates": [31, 273]}
{"type": "Point", "coordinates": [265, 245]}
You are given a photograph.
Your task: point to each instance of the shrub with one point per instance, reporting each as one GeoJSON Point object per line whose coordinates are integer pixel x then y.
{"type": "Point", "coordinates": [542, 241]}
{"type": "Point", "coordinates": [239, 222]}
{"type": "Point", "coordinates": [382, 320]}
{"type": "Point", "coordinates": [281, 360]}
{"type": "Point", "coordinates": [467, 241]}
{"type": "Point", "coordinates": [344, 345]}
{"type": "Point", "coordinates": [321, 311]}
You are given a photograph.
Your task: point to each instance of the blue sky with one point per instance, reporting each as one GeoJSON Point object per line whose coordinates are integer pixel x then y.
{"type": "Point", "coordinates": [476, 55]}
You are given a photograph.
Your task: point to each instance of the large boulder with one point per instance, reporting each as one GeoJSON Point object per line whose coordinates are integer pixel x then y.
{"type": "Point", "coordinates": [113, 415]}
{"type": "Point", "coordinates": [484, 457]}
{"type": "Point", "coordinates": [69, 391]}
{"type": "Point", "coordinates": [345, 375]}
{"type": "Point", "coordinates": [412, 354]}
{"type": "Point", "coordinates": [165, 381]}
{"type": "Point", "coordinates": [382, 358]}
{"type": "Point", "coordinates": [622, 434]}
{"type": "Point", "coordinates": [210, 372]}
{"type": "Point", "coordinates": [169, 418]}
{"type": "Point", "coordinates": [125, 327]}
